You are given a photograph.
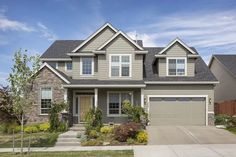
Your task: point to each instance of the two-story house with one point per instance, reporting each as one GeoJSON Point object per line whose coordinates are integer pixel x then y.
{"type": "Point", "coordinates": [172, 83]}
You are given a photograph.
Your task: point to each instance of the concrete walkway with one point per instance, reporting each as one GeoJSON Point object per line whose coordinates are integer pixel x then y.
{"type": "Point", "coordinates": [213, 150]}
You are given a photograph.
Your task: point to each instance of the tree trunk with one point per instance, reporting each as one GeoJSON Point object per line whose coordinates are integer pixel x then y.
{"type": "Point", "coordinates": [22, 133]}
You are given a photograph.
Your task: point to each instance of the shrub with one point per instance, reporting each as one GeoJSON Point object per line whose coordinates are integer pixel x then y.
{"type": "Point", "coordinates": [221, 119]}
{"type": "Point", "coordinates": [54, 115]}
{"type": "Point", "coordinates": [125, 131]}
{"type": "Point", "coordinates": [135, 113]}
{"type": "Point", "coordinates": [142, 137]}
{"type": "Point", "coordinates": [63, 126]}
{"type": "Point", "coordinates": [93, 142]}
{"type": "Point", "coordinates": [9, 127]}
{"type": "Point", "coordinates": [231, 122]}
{"type": "Point", "coordinates": [93, 120]}
{"type": "Point", "coordinates": [44, 127]}
{"type": "Point", "coordinates": [130, 141]}
{"type": "Point", "coordinates": [31, 129]}
{"type": "Point", "coordinates": [107, 129]}
{"type": "Point", "coordinates": [93, 134]}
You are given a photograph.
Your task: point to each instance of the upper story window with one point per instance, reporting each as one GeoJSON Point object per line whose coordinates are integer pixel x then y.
{"type": "Point", "coordinates": [176, 66]}
{"type": "Point", "coordinates": [54, 65]}
{"type": "Point", "coordinates": [46, 100]}
{"type": "Point", "coordinates": [120, 65]}
{"type": "Point", "coordinates": [68, 65]}
{"type": "Point", "coordinates": [86, 66]}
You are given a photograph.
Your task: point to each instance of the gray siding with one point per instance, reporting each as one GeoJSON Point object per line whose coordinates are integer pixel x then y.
{"type": "Point", "coordinates": [226, 89]}
{"type": "Point", "coordinates": [176, 50]}
{"type": "Point", "coordinates": [120, 46]}
{"type": "Point", "coordinates": [182, 90]}
{"type": "Point", "coordinates": [97, 41]}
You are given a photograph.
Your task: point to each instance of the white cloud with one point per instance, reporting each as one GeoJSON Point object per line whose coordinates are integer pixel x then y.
{"type": "Point", "coordinates": [148, 40]}
{"type": "Point", "coordinates": [45, 32]}
{"type": "Point", "coordinates": [8, 24]}
{"type": "Point", "coordinates": [3, 78]}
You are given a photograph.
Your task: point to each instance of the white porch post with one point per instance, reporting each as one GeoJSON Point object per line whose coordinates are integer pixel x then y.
{"type": "Point", "coordinates": [142, 97]}
{"type": "Point", "coordinates": [65, 98]}
{"type": "Point", "coordinates": [96, 97]}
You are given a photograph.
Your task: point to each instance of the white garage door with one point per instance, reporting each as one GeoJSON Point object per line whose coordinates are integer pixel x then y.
{"type": "Point", "coordinates": [177, 110]}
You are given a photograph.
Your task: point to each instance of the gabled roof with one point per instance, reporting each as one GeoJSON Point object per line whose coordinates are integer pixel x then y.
{"type": "Point", "coordinates": [60, 48]}
{"type": "Point", "coordinates": [228, 61]}
{"type": "Point", "coordinates": [59, 74]}
{"type": "Point", "coordinates": [180, 42]}
{"type": "Point", "coordinates": [94, 34]}
{"type": "Point", "coordinates": [125, 36]}
{"type": "Point", "coordinates": [203, 75]}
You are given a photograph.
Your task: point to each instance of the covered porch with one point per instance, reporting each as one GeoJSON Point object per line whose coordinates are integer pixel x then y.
{"type": "Point", "coordinates": [108, 99]}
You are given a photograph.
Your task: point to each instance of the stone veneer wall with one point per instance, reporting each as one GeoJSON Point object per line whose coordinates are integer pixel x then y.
{"type": "Point", "coordinates": [211, 119]}
{"type": "Point", "coordinates": [45, 78]}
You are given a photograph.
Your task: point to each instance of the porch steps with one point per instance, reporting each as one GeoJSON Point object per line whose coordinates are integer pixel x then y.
{"type": "Point", "coordinates": [69, 138]}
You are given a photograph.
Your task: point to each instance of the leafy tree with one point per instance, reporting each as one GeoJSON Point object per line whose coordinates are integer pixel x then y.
{"type": "Point", "coordinates": [21, 80]}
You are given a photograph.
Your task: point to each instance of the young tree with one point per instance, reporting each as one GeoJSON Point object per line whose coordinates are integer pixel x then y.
{"type": "Point", "coordinates": [21, 80]}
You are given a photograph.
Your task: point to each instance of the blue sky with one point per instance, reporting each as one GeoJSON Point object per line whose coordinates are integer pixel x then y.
{"type": "Point", "coordinates": [209, 25]}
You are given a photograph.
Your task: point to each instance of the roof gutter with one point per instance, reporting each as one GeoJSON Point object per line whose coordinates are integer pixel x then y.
{"type": "Point", "coordinates": [103, 85]}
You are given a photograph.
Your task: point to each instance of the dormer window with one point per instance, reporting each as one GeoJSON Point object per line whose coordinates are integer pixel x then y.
{"type": "Point", "coordinates": [176, 66]}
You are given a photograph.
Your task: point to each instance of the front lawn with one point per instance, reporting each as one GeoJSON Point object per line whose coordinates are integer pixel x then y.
{"type": "Point", "coordinates": [233, 130]}
{"type": "Point", "coordinates": [41, 139]}
{"type": "Point", "coordinates": [125, 153]}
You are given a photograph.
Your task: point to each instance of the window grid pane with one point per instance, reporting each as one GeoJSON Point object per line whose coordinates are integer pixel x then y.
{"type": "Point", "coordinates": [46, 100]}
{"type": "Point", "coordinates": [176, 67]}
{"type": "Point", "coordinates": [68, 65]}
{"type": "Point", "coordinates": [120, 65]}
{"type": "Point", "coordinates": [86, 66]}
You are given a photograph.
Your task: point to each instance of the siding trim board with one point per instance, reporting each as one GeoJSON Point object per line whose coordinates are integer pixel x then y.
{"type": "Point", "coordinates": [166, 96]}
{"type": "Point", "coordinates": [181, 82]}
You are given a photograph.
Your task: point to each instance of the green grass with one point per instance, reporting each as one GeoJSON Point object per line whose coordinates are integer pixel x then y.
{"type": "Point", "coordinates": [233, 130]}
{"type": "Point", "coordinates": [37, 140]}
{"type": "Point", "coordinates": [125, 153]}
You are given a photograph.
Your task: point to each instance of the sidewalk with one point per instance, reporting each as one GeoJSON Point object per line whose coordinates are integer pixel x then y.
{"type": "Point", "coordinates": [69, 148]}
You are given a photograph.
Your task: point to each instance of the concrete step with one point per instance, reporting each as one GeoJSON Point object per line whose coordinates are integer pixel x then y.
{"type": "Point", "coordinates": [67, 140]}
{"type": "Point", "coordinates": [68, 144]}
{"type": "Point", "coordinates": [77, 129]}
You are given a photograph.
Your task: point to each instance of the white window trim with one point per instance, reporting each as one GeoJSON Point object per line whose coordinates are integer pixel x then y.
{"type": "Point", "coordinates": [57, 65]}
{"type": "Point", "coordinates": [119, 92]}
{"type": "Point", "coordinates": [167, 96]}
{"type": "Point", "coordinates": [120, 70]}
{"type": "Point", "coordinates": [66, 66]}
{"type": "Point", "coordinates": [45, 114]}
{"type": "Point", "coordinates": [81, 68]}
{"type": "Point", "coordinates": [167, 66]}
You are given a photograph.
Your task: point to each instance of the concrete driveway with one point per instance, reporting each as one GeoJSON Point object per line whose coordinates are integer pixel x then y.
{"type": "Point", "coordinates": [172, 135]}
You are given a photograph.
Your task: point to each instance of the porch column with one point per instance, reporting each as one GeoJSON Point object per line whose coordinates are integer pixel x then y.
{"type": "Point", "coordinates": [142, 97]}
{"type": "Point", "coordinates": [65, 98]}
{"type": "Point", "coordinates": [96, 97]}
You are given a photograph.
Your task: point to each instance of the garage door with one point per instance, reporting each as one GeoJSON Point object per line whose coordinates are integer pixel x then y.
{"type": "Point", "coordinates": [177, 110]}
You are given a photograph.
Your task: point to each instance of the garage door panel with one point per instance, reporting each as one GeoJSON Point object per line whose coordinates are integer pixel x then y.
{"type": "Point", "coordinates": [179, 111]}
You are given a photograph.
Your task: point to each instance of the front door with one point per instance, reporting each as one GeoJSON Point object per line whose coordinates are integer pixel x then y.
{"type": "Point", "coordinates": [85, 103]}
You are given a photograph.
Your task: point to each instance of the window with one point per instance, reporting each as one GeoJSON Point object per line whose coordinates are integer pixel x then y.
{"type": "Point", "coordinates": [176, 67]}
{"type": "Point", "coordinates": [68, 65]}
{"type": "Point", "coordinates": [115, 100]}
{"type": "Point", "coordinates": [86, 64]}
{"type": "Point", "coordinates": [120, 65]}
{"type": "Point", "coordinates": [46, 100]}
{"type": "Point", "coordinates": [54, 65]}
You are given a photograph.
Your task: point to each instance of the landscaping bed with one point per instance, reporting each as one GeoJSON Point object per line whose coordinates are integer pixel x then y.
{"type": "Point", "coordinates": [124, 153]}
{"type": "Point", "coordinates": [229, 122]}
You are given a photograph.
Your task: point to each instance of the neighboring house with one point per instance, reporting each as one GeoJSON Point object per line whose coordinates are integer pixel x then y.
{"type": "Point", "coordinates": [224, 68]}
{"type": "Point", "coordinates": [172, 83]}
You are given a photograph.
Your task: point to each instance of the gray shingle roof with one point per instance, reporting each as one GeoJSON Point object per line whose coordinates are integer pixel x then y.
{"type": "Point", "coordinates": [202, 72]}
{"type": "Point", "coordinates": [60, 48]}
{"type": "Point", "coordinates": [229, 61]}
